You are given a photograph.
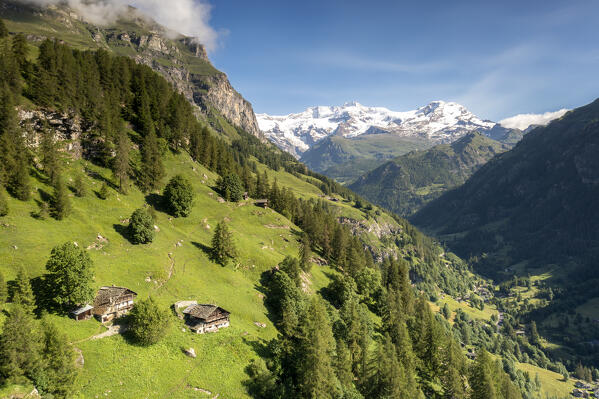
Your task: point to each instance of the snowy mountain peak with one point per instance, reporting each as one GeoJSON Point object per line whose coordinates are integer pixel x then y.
{"type": "Point", "coordinates": [438, 121]}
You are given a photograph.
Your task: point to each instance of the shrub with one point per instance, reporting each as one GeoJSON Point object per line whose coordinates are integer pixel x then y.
{"type": "Point", "coordinates": [3, 203]}
{"type": "Point", "coordinates": [141, 227]}
{"type": "Point", "coordinates": [149, 323]}
{"type": "Point", "coordinates": [178, 196]}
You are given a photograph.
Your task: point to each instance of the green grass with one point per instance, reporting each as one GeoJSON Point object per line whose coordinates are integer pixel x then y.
{"type": "Point", "coordinates": [163, 370]}
{"type": "Point", "coordinates": [474, 313]}
{"type": "Point", "coordinates": [589, 309]}
{"type": "Point", "coordinates": [552, 384]}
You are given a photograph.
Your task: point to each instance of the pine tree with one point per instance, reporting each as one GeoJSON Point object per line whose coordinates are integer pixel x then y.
{"type": "Point", "coordinates": [23, 293]}
{"type": "Point", "coordinates": [481, 377]}
{"type": "Point", "coordinates": [452, 376]}
{"type": "Point", "coordinates": [152, 169]}
{"type": "Point", "coordinates": [3, 203]}
{"type": "Point", "coordinates": [305, 253]}
{"type": "Point", "coordinates": [58, 362]}
{"type": "Point", "coordinates": [3, 30]}
{"type": "Point", "coordinates": [535, 339]}
{"type": "Point", "coordinates": [20, 49]}
{"type": "Point", "coordinates": [70, 275]}
{"type": "Point", "coordinates": [230, 187]}
{"type": "Point", "coordinates": [317, 375]}
{"type": "Point", "coordinates": [3, 290]}
{"type": "Point", "coordinates": [61, 203]}
{"type": "Point", "coordinates": [19, 347]}
{"type": "Point", "coordinates": [388, 379]}
{"type": "Point", "coordinates": [120, 164]}
{"type": "Point", "coordinates": [80, 187]}
{"type": "Point", "coordinates": [104, 191]}
{"type": "Point", "coordinates": [223, 247]}
{"type": "Point", "coordinates": [50, 155]}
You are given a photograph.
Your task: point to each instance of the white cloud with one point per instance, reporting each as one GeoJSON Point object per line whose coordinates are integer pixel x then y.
{"type": "Point", "coordinates": [189, 17]}
{"type": "Point", "coordinates": [523, 121]}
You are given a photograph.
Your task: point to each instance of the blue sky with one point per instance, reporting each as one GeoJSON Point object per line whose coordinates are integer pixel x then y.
{"type": "Point", "coordinates": [498, 58]}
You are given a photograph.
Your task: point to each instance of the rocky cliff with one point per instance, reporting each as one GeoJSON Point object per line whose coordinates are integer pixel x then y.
{"type": "Point", "coordinates": [181, 60]}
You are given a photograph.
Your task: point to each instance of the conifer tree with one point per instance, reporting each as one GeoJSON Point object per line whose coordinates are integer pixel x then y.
{"type": "Point", "coordinates": [20, 49]}
{"type": "Point", "coordinates": [388, 379]}
{"type": "Point", "coordinates": [305, 253]}
{"type": "Point", "coordinates": [80, 187]}
{"type": "Point", "coordinates": [535, 339]}
{"type": "Point", "coordinates": [3, 30]}
{"type": "Point", "coordinates": [23, 293]}
{"type": "Point", "coordinates": [19, 347]}
{"type": "Point", "coordinates": [481, 377]}
{"type": "Point", "coordinates": [50, 155]}
{"type": "Point", "coordinates": [152, 169]}
{"type": "Point", "coordinates": [120, 164]}
{"type": "Point", "coordinates": [454, 370]}
{"type": "Point", "coordinates": [230, 187]}
{"type": "Point", "coordinates": [223, 247]}
{"type": "Point", "coordinates": [317, 375]}
{"type": "Point", "coordinates": [104, 191]}
{"type": "Point", "coordinates": [3, 203]}
{"type": "Point", "coordinates": [3, 290]}
{"type": "Point", "coordinates": [70, 275]}
{"type": "Point", "coordinates": [58, 362]}
{"type": "Point", "coordinates": [61, 203]}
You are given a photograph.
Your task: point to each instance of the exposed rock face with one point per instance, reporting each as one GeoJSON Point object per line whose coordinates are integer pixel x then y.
{"type": "Point", "coordinates": [66, 128]}
{"type": "Point", "coordinates": [378, 229]}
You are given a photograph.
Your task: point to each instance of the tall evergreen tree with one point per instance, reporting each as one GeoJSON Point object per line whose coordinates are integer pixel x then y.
{"type": "Point", "coordinates": [50, 155]}
{"type": "Point", "coordinates": [317, 374]}
{"type": "Point", "coordinates": [388, 379]}
{"type": "Point", "coordinates": [152, 169]}
{"type": "Point", "coordinates": [3, 29]}
{"type": "Point", "coordinates": [20, 49]}
{"type": "Point", "coordinates": [3, 203]}
{"type": "Point", "coordinates": [70, 275]}
{"type": "Point", "coordinates": [23, 293]}
{"type": "Point", "coordinates": [120, 164]}
{"type": "Point", "coordinates": [61, 203]}
{"type": "Point", "coordinates": [305, 253]}
{"type": "Point", "coordinates": [19, 347]}
{"type": "Point", "coordinates": [3, 290]}
{"type": "Point", "coordinates": [58, 363]}
{"type": "Point", "coordinates": [481, 377]}
{"type": "Point", "coordinates": [223, 247]}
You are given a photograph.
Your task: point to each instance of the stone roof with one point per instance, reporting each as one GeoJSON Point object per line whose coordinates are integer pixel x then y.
{"type": "Point", "coordinates": [110, 295]}
{"type": "Point", "coordinates": [206, 312]}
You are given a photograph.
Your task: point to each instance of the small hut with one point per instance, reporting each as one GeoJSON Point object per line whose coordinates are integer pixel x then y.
{"type": "Point", "coordinates": [82, 313]}
{"type": "Point", "coordinates": [206, 318]}
{"type": "Point", "coordinates": [112, 302]}
{"type": "Point", "coordinates": [263, 203]}
{"type": "Point", "coordinates": [246, 195]}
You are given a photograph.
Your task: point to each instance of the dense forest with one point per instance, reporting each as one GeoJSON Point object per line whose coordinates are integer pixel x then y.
{"type": "Point", "coordinates": [370, 333]}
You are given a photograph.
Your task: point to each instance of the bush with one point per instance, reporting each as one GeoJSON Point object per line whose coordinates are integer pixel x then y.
{"type": "Point", "coordinates": [104, 193]}
{"type": "Point", "coordinates": [178, 196]}
{"type": "Point", "coordinates": [231, 187]}
{"type": "Point", "coordinates": [70, 274]}
{"type": "Point", "coordinates": [79, 187]}
{"type": "Point", "coordinates": [141, 227]}
{"type": "Point", "coordinates": [149, 323]}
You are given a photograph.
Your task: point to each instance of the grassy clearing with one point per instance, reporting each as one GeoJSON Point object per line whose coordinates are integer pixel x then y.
{"type": "Point", "coordinates": [552, 384]}
{"type": "Point", "coordinates": [174, 267]}
{"type": "Point", "coordinates": [474, 313]}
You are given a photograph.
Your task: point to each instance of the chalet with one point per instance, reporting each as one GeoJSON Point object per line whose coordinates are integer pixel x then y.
{"type": "Point", "coordinates": [262, 203]}
{"type": "Point", "coordinates": [206, 318]}
{"type": "Point", "coordinates": [112, 302]}
{"type": "Point", "coordinates": [246, 195]}
{"type": "Point", "coordinates": [82, 313]}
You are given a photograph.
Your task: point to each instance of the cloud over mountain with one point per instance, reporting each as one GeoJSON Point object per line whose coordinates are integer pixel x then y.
{"type": "Point", "coordinates": [189, 17]}
{"type": "Point", "coordinates": [523, 121]}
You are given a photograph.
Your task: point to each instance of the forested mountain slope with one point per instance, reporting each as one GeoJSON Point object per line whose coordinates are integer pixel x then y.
{"type": "Point", "coordinates": [406, 183]}
{"type": "Point", "coordinates": [533, 210]}
{"type": "Point", "coordinates": [181, 60]}
{"type": "Point", "coordinates": [328, 294]}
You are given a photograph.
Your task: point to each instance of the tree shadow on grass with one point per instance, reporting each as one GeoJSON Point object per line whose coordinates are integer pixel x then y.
{"type": "Point", "coordinates": [157, 202]}
{"type": "Point", "coordinates": [97, 176]}
{"type": "Point", "coordinates": [204, 248]}
{"type": "Point", "coordinates": [124, 232]}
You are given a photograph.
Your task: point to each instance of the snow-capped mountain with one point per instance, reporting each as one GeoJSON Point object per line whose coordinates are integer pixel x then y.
{"type": "Point", "coordinates": [439, 122]}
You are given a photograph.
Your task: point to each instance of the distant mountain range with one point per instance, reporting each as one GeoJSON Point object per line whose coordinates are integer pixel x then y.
{"type": "Point", "coordinates": [406, 183]}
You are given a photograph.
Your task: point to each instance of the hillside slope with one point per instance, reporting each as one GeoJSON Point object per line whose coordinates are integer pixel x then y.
{"type": "Point", "coordinates": [406, 183]}
{"type": "Point", "coordinates": [532, 211]}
